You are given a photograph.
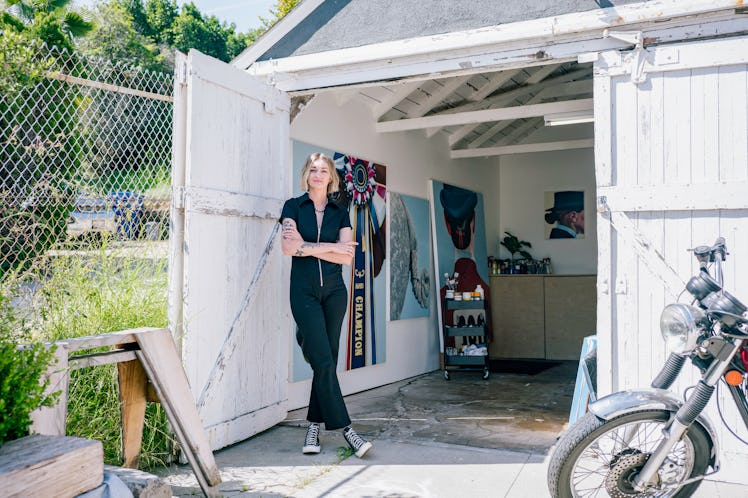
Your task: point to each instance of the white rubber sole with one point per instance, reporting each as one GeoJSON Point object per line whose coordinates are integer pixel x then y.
{"type": "Point", "coordinates": [308, 450]}
{"type": "Point", "coordinates": [363, 449]}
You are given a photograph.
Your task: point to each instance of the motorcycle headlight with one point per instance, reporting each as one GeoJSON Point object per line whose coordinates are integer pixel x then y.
{"type": "Point", "coordinates": [681, 326]}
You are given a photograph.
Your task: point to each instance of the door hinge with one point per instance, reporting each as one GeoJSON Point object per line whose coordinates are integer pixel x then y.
{"type": "Point", "coordinates": [622, 286]}
{"type": "Point", "coordinates": [637, 58]}
{"type": "Point", "coordinates": [182, 73]}
{"type": "Point", "coordinates": [178, 197]}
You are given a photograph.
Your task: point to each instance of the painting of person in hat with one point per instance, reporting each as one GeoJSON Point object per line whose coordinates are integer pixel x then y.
{"type": "Point", "coordinates": [566, 213]}
{"type": "Point", "coordinates": [460, 220]}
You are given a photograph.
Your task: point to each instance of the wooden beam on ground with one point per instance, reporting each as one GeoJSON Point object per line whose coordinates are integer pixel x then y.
{"type": "Point", "coordinates": [57, 466]}
{"type": "Point", "coordinates": [158, 355]}
{"type": "Point", "coordinates": [523, 148]}
{"type": "Point", "coordinates": [504, 113]}
{"type": "Point", "coordinates": [133, 396]}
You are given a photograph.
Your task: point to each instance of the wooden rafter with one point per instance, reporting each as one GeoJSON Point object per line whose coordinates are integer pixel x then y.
{"type": "Point", "coordinates": [562, 90]}
{"type": "Point", "coordinates": [532, 86]}
{"type": "Point", "coordinates": [503, 113]}
{"type": "Point", "coordinates": [398, 94]}
{"type": "Point", "coordinates": [585, 143]}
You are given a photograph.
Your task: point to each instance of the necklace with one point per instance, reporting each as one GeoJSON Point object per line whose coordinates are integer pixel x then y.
{"type": "Point", "coordinates": [320, 210]}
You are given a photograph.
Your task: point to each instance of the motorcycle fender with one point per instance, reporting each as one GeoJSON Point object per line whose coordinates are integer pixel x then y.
{"type": "Point", "coordinates": [625, 402]}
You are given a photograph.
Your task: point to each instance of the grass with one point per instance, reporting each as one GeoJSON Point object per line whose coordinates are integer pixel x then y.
{"type": "Point", "coordinates": [94, 294]}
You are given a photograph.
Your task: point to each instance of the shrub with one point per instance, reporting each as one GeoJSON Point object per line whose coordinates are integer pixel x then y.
{"type": "Point", "coordinates": [22, 386]}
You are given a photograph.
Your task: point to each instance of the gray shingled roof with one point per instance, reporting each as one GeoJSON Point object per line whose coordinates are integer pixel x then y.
{"type": "Point", "coordinates": [337, 24]}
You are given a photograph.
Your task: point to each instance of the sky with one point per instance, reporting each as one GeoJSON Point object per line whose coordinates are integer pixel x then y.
{"type": "Point", "coordinates": [244, 13]}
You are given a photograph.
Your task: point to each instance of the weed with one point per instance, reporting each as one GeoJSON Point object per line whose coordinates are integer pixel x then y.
{"type": "Point", "coordinates": [104, 291]}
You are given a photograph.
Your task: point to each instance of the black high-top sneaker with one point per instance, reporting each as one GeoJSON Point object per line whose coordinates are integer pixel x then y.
{"type": "Point", "coordinates": [311, 443]}
{"type": "Point", "coordinates": [358, 444]}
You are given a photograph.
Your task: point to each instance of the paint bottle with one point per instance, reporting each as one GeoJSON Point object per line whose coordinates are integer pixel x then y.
{"type": "Point", "coordinates": [479, 291]}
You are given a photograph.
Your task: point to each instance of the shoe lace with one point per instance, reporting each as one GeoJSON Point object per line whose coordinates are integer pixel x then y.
{"type": "Point", "coordinates": [354, 439]}
{"type": "Point", "coordinates": [312, 434]}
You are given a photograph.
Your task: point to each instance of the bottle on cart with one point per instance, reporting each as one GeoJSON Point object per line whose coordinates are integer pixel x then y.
{"type": "Point", "coordinates": [479, 290]}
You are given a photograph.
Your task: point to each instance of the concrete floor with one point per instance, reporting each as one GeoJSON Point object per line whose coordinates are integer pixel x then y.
{"type": "Point", "coordinates": [507, 411]}
{"type": "Point", "coordinates": [425, 430]}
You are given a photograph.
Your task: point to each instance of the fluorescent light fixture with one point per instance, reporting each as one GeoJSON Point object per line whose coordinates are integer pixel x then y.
{"type": "Point", "coordinates": [567, 118]}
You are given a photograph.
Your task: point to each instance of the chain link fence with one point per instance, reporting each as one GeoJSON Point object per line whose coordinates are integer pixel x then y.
{"type": "Point", "coordinates": [85, 155]}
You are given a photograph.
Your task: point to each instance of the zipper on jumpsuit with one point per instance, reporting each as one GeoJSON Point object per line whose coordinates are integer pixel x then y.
{"type": "Point", "coordinates": [319, 261]}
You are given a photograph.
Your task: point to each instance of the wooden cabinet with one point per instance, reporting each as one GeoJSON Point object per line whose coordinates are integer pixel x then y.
{"type": "Point", "coordinates": [542, 316]}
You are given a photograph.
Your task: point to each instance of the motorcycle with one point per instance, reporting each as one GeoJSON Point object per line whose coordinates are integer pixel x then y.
{"type": "Point", "coordinates": [649, 442]}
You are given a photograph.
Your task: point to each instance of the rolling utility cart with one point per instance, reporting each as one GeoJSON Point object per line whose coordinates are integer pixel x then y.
{"type": "Point", "coordinates": [466, 329]}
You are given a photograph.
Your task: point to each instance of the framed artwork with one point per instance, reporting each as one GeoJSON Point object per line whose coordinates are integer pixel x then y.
{"type": "Point", "coordinates": [564, 214]}
{"type": "Point", "coordinates": [410, 256]}
{"type": "Point", "coordinates": [459, 233]}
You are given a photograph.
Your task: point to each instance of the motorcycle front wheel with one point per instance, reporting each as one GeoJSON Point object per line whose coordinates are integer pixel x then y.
{"type": "Point", "coordinates": [600, 458]}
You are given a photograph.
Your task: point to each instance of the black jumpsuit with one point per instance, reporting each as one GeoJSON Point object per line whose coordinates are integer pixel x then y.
{"type": "Point", "coordinates": [318, 303]}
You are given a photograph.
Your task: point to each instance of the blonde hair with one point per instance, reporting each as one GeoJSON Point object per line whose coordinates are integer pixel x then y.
{"type": "Point", "coordinates": [333, 186]}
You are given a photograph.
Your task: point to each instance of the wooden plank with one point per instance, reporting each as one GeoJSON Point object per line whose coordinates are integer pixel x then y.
{"type": "Point", "coordinates": [97, 341]}
{"type": "Point", "coordinates": [159, 358]}
{"type": "Point", "coordinates": [98, 359]}
{"type": "Point", "coordinates": [51, 420]}
{"type": "Point", "coordinates": [223, 203]}
{"type": "Point", "coordinates": [132, 393]}
{"type": "Point", "coordinates": [514, 112]}
{"type": "Point", "coordinates": [708, 195]}
{"type": "Point", "coordinates": [42, 466]}
{"type": "Point", "coordinates": [585, 143]}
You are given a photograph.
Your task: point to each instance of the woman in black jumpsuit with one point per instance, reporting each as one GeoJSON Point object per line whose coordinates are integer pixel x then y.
{"type": "Point", "coordinates": [317, 234]}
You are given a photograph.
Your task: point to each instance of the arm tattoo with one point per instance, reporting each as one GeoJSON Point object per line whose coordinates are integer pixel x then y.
{"type": "Point", "coordinates": [300, 250]}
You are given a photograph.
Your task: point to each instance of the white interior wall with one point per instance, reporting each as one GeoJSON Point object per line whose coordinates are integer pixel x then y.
{"type": "Point", "coordinates": [411, 160]}
{"type": "Point", "coordinates": [524, 179]}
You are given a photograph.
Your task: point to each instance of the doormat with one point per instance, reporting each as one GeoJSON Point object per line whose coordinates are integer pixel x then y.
{"type": "Point", "coordinates": [527, 367]}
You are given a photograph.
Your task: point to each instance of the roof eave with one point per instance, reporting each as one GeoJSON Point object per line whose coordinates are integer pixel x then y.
{"type": "Point", "coordinates": [519, 36]}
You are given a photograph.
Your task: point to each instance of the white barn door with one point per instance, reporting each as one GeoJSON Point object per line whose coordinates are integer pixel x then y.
{"type": "Point", "coordinates": [228, 290]}
{"type": "Point", "coordinates": [671, 154]}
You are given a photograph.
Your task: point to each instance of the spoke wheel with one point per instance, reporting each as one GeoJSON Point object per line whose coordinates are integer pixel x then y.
{"type": "Point", "coordinates": [599, 458]}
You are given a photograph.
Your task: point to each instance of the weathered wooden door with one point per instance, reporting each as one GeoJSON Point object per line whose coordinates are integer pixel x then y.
{"type": "Point", "coordinates": [228, 288]}
{"type": "Point", "coordinates": [671, 154]}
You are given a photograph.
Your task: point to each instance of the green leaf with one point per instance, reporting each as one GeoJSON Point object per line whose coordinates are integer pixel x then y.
{"type": "Point", "coordinates": [76, 25]}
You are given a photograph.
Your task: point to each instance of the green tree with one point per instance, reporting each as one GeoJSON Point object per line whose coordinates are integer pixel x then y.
{"type": "Point", "coordinates": [138, 15]}
{"type": "Point", "coordinates": [191, 30]}
{"type": "Point", "coordinates": [161, 15]}
{"type": "Point", "coordinates": [116, 39]}
{"type": "Point", "coordinates": [51, 21]}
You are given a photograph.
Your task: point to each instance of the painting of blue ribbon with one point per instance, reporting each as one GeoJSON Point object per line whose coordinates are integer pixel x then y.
{"type": "Point", "coordinates": [366, 205]}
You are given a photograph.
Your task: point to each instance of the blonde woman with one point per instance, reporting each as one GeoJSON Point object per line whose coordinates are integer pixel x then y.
{"type": "Point", "coordinates": [317, 234]}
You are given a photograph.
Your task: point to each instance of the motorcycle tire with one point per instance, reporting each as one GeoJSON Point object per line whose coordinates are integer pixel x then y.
{"type": "Point", "coordinates": [614, 472]}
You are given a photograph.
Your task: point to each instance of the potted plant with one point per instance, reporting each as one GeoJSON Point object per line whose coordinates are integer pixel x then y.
{"type": "Point", "coordinates": [514, 245]}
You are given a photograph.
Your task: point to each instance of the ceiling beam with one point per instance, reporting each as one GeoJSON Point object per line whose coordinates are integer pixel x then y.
{"type": "Point", "coordinates": [563, 90]}
{"type": "Point", "coordinates": [515, 112]}
{"type": "Point", "coordinates": [585, 143]}
{"type": "Point", "coordinates": [398, 94]}
{"type": "Point", "coordinates": [495, 81]}
{"type": "Point", "coordinates": [438, 95]}
{"type": "Point", "coordinates": [530, 84]}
